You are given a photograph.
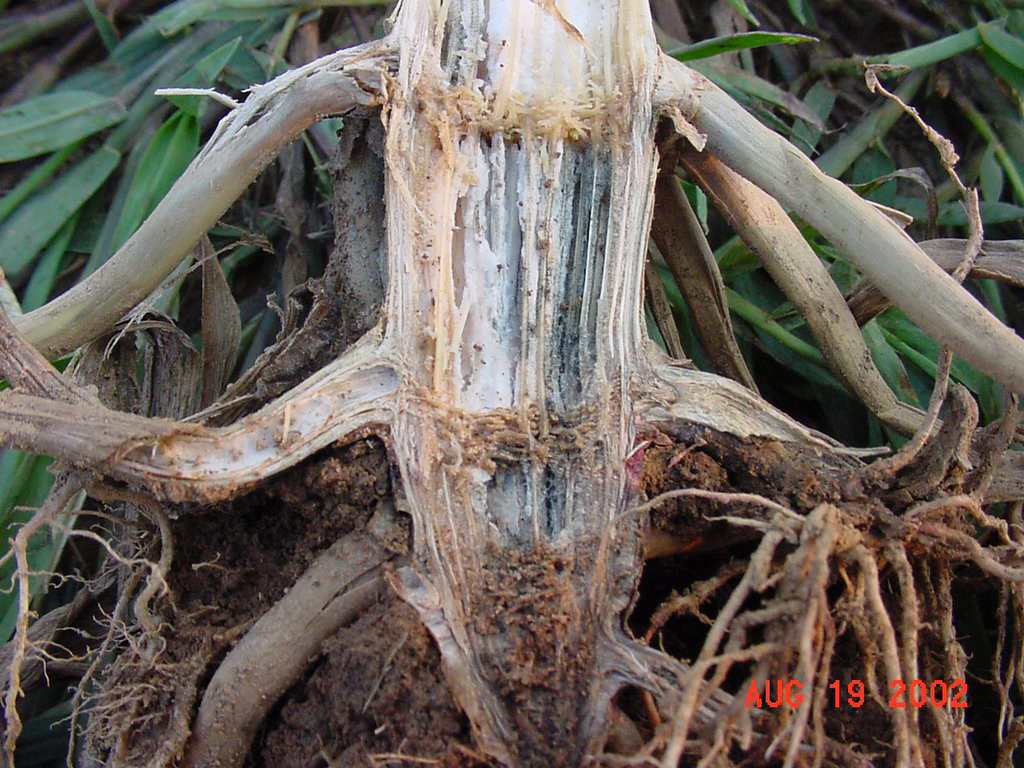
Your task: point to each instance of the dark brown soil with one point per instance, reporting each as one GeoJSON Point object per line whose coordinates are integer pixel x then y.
{"type": "Point", "coordinates": [697, 457]}
{"type": "Point", "coordinates": [255, 547]}
{"type": "Point", "coordinates": [376, 693]}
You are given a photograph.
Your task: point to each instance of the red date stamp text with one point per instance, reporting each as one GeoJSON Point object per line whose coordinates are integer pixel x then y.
{"type": "Point", "coordinates": [901, 694]}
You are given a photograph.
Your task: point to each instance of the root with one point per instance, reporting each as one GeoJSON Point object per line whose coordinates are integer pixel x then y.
{"type": "Point", "coordinates": [154, 698]}
{"type": "Point", "coordinates": [837, 583]}
{"type": "Point", "coordinates": [156, 585]}
{"type": "Point", "coordinates": [692, 599]}
{"type": "Point", "coordinates": [339, 584]}
{"type": "Point", "coordinates": [890, 653]}
{"type": "Point", "coordinates": [64, 490]}
{"type": "Point", "coordinates": [754, 577]}
{"type": "Point", "coordinates": [99, 657]}
{"type": "Point", "coordinates": [30, 642]}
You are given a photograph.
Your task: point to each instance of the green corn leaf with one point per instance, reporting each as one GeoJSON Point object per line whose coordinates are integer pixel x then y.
{"type": "Point", "coordinates": [934, 52]}
{"type": "Point", "coordinates": [842, 272]}
{"type": "Point", "coordinates": [976, 382]}
{"type": "Point", "coordinates": [90, 222]}
{"type": "Point", "coordinates": [1015, 22]}
{"type": "Point", "coordinates": [923, 381]}
{"type": "Point", "coordinates": [652, 329]}
{"type": "Point", "coordinates": [772, 120]}
{"type": "Point", "coordinates": [208, 68]}
{"type": "Point", "coordinates": [889, 363]}
{"type": "Point", "coordinates": [41, 174]}
{"type": "Point", "coordinates": [684, 323]}
{"type": "Point", "coordinates": [735, 258]}
{"type": "Point", "coordinates": [14, 470]}
{"type": "Point", "coordinates": [175, 17]}
{"type": "Point", "coordinates": [40, 285]}
{"type": "Point", "coordinates": [952, 214]}
{"type": "Point", "coordinates": [29, 483]}
{"type": "Point", "coordinates": [204, 74]}
{"type": "Point", "coordinates": [923, 351]}
{"type": "Point", "coordinates": [740, 82]}
{"type": "Point", "coordinates": [989, 290]}
{"type": "Point", "coordinates": [126, 63]}
{"type": "Point", "coordinates": [44, 739]}
{"type": "Point", "coordinates": [1009, 47]}
{"type": "Point", "coordinates": [54, 120]}
{"type": "Point", "coordinates": [806, 375]}
{"type": "Point", "coordinates": [243, 70]}
{"type": "Point", "coordinates": [699, 203]}
{"type": "Point", "coordinates": [167, 155]}
{"type": "Point", "coordinates": [802, 12]}
{"type": "Point", "coordinates": [871, 176]}
{"type": "Point", "coordinates": [990, 176]}
{"type": "Point", "coordinates": [182, 14]}
{"type": "Point", "coordinates": [741, 6]}
{"type": "Point", "coordinates": [843, 415]}
{"type": "Point", "coordinates": [760, 320]}
{"type": "Point", "coordinates": [873, 127]}
{"type": "Point", "coordinates": [820, 100]}
{"type": "Point", "coordinates": [36, 221]}
{"type": "Point", "coordinates": [106, 30]}
{"type": "Point", "coordinates": [1002, 131]}
{"type": "Point", "coordinates": [738, 42]}
{"type": "Point", "coordinates": [101, 248]}
{"type": "Point", "coordinates": [236, 15]}
{"type": "Point", "coordinates": [1011, 73]}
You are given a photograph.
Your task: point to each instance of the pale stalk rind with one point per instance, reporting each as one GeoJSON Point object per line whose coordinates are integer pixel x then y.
{"type": "Point", "coordinates": [678, 393]}
{"type": "Point", "coordinates": [872, 242]}
{"type": "Point", "coordinates": [518, 203]}
{"type": "Point", "coordinates": [246, 141]}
